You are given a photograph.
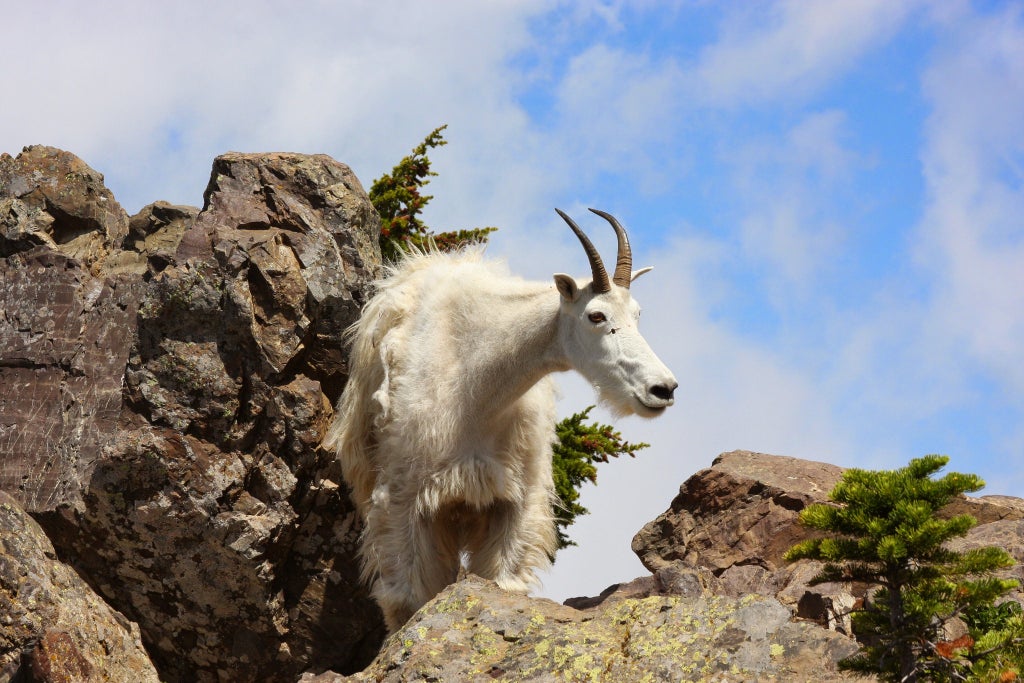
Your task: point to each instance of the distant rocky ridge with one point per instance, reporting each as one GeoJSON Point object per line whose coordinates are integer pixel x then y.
{"type": "Point", "coordinates": [167, 512]}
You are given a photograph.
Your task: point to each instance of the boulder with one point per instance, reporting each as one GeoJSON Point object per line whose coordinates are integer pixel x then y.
{"type": "Point", "coordinates": [172, 383]}
{"type": "Point", "coordinates": [51, 198]}
{"type": "Point", "coordinates": [473, 631]}
{"type": "Point", "coordinates": [53, 627]}
{"type": "Point", "coordinates": [731, 524]}
{"type": "Point", "coordinates": [743, 510]}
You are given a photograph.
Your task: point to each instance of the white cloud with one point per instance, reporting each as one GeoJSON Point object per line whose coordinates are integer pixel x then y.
{"type": "Point", "coordinates": [785, 50]}
{"type": "Point", "coordinates": [786, 187]}
{"type": "Point", "coordinates": [972, 233]}
{"type": "Point", "coordinates": [151, 92]}
{"type": "Point", "coordinates": [617, 106]}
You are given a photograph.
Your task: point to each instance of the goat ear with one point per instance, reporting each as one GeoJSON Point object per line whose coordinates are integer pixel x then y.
{"type": "Point", "coordinates": [638, 273]}
{"type": "Point", "coordinates": [567, 287]}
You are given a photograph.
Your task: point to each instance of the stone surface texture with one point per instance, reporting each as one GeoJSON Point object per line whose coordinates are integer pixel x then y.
{"type": "Point", "coordinates": [731, 524]}
{"type": "Point", "coordinates": [51, 622]}
{"type": "Point", "coordinates": [168, 378]}
{"type": "Point", "coordinates": [473, 631]}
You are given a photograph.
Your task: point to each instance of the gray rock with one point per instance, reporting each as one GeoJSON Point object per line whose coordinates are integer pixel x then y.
{"type": "Point", "coordinates": [473, 631]}
{"type": "Point", "coordinates": [53, 627]}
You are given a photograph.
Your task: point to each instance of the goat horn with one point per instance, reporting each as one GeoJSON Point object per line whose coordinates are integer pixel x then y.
{"type": "Point", "coordinates": [624, 259]}
{"type": "Point", "coordinates": [601, 284]}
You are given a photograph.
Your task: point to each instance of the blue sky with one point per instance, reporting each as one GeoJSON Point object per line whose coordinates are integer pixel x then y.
{"type": "Point", "coordinates": [832, 193]}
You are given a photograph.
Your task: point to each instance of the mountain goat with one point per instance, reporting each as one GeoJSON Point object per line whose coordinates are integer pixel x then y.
{"type": "Point", "coordinates": [444, 430]}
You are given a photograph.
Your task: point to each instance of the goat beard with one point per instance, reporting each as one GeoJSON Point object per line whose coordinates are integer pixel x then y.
{"type": "Point", "coordinates": [623, 405]}
{"type": "Point", "coordinates": [617, 403]}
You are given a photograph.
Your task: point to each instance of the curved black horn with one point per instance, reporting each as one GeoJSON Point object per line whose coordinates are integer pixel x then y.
{"type": "Point", "coordinates": [601, 284]}
{"type": "Point", "coordinates": [624, 259]}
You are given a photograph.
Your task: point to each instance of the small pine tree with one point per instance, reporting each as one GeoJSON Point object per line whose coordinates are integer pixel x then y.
{"type": "Point", "coordinates": [576, 453]}
{"type": "Point", "coordinates": [885, 531]}
{"type": "Point", "coordinates": [398, 199]}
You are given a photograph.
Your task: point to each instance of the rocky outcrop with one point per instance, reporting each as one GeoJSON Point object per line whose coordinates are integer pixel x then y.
{"type": "Point", "coordinates": [52, 624]}
{"type": "Point", "coordinates": [720, 604]}
{"type": "Point", "coordinates": [65, 331]}
{"type": "Point", "coordinates": [742, 511]}
{"type": "Point", "coordinates": [474, 631]}
{"type": "Point", "coordinates": [731, 524]}
{"type": "Point", "coordinates": [168, 378]}
{"type": "Point", "coordinates": [53, 199]}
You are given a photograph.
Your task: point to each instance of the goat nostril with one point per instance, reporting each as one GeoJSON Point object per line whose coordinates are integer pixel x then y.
{"type": "Point", "coordinates": [663, 392]}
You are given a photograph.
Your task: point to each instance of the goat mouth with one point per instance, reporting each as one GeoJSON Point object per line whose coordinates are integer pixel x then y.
{"type": "Point", "coordinates": [654, 410]}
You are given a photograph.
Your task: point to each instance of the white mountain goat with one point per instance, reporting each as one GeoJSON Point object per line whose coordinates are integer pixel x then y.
{"type": "Point", "coordinates": [444, 430]}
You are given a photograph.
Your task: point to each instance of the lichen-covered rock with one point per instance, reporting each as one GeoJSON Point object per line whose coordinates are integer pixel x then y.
{"type": "Point", "coordinates": [53, 627]}
{"type": "Point", "coordinates": [473, 631]}
{"type": "Point", "coordinates": [170, 389]}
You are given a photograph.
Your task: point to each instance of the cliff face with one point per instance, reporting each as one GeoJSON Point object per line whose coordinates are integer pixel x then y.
{"type": "Point", "coordinates": [167, 380]}
{"type": "Point", "coordinates": [167, 512]}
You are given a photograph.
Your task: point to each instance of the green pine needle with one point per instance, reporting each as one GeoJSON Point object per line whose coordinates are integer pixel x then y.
{"type": "Point", "coordinates": [883, 528]}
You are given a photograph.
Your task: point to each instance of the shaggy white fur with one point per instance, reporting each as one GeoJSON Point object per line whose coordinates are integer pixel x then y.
{"type": "Point", "coordinates": [445, 427]}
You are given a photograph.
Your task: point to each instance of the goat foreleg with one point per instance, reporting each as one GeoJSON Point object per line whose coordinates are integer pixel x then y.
{"type": "Point", "coordinates": [414, 558]}
{"type": "Point", "coordinates": [515, 542]}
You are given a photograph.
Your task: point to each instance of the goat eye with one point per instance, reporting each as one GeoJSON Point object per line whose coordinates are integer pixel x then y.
{"type": "Point", "coordinates": [597, 317]}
